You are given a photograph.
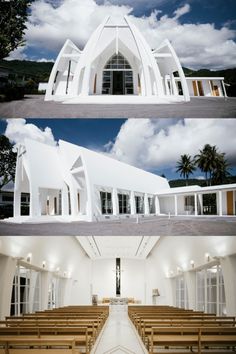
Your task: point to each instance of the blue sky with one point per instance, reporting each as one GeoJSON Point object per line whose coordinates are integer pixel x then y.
{"type": "Point", "coordinates": [154, 145]}
{"type": "Point", "coordinates": [202, 32]}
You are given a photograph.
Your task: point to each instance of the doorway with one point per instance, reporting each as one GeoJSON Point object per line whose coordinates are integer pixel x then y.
{"type": "Point", "coordinates": [118, 83]}
{"type": "Point", "coordinates": [230, 203]}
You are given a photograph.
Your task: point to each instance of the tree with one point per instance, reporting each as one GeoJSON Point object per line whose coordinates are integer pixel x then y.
{"type": "Point", "coordinates": [212, 163]}
{"type": "Point", "coordinates": [7, 161]}
{"type": "Point", "coordinates": [12, 24]}
{"type": "Point", "coordinates": [222, 170]}
{"type": "Point", "coordinates": [185, 166]}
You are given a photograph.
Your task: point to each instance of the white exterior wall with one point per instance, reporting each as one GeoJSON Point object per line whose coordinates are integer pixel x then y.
{"type": "Point", "coordinates": [205, 85]}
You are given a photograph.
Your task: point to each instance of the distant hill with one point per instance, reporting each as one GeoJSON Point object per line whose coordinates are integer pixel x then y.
{"type": "Point", "coordinates": [40, 71]}
{"type": "Point", "coordinates": [200, 182]}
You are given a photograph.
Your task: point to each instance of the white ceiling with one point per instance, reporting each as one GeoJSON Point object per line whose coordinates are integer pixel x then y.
{"type": "Point", "coordinates": [136, 247]}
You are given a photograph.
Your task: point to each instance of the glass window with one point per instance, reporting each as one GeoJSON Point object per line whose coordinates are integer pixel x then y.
{"type": "Point", "coordinates": [139, 203]}
{"type": "Point", "coordinates": [210, 291]}
{"type": "Point", "coordinates": [25, 291]}
{"type": "Point", "coordinates": [151, 204]}
{"type": "Point", "coordinates": [106, 202]}
{"type": "Point", "coordinates": [54, 293]}
{"type": "Point", "coordinates": [181, 293]}
{"type": "Point", "coordinates": [124, 203]}
{"type": "Point", "coordinates": [189, 203]}
{"type": "Point", "coordinates": [117, 61]}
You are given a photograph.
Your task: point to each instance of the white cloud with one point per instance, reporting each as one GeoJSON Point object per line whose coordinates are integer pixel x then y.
{"type": "Point", "coordinates": [18, 54]}
{"type": "Point", "coordinates": [149, 144]}
{"type": "Point", "coordinates": [198, 45]}
{"type": "Point", "coordinates": [18, 130]}
{"type": "Point", "coordinates": [181, 11]}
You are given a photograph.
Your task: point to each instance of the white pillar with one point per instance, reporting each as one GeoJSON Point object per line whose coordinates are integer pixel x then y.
{"type": "Point", "coordinates": [64, 200]}
{"type": "Point", "coordinates": [146, 205]}
{"type": "Point", "coordinates": [132, 203]}
{"type": "Point", "coordinates": [8, 267]}
{"type": "Point", "coordinates": [176, 205]}
{"type": "Point", "coordinates": [224, 90]}
{"type": "Point", "coordinates": [17, 203]}
{"type": "Point", "coordinates": [175, 91]}
{"type": "Point", "coordinates": [167, 86]}
{"type": "Point", "coordinates": [34, 201]}
{"type": "Point", "coordinates": [45, 280]}
{"type": "Point", "coordinates": [115, 206]}
{"type": "Point", "coordinates": [157, 205]}
{"type": "Point", "coordinates": [195, 204]}
{"type": "Point", "coordinates": [228, 265]}
{"type": "Point", "coordinates": [73, 200]}
{"type": "Point", "coordinates": [200, 199]}
{"type": "Point", "coordinates": [220, 203]}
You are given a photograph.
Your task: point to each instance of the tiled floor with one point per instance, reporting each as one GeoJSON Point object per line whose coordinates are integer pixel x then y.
{"type": "Point", "coordinates": [118, 335]}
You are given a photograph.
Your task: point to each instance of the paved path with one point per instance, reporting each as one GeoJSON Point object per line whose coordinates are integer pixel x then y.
{"type": "Point", "coordinates": [34, 107]}
{"type": "Point", "coordinates": [155, 226]}
{"type": "Point", "coordinates": [119, 335]}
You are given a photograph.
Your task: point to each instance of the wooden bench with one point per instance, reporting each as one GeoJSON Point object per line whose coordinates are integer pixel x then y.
{"type": "Point", "coordinates": [213, 337]}
{"type": "Point", "coordinates": [45, 345]}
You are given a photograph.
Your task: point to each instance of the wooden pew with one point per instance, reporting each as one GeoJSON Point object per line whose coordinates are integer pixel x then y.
{"type": "Point", "coordinates": [214, 337]}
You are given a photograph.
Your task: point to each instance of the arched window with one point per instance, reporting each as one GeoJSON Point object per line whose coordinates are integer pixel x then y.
{"type": "Point", "coordinates": [118, 62]}
{"type": "Point", "coordinates": [117, 76]}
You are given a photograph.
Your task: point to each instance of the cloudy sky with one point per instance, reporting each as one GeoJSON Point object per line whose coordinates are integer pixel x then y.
{"type": "Point", "coordinates": [202, 32]}
{"type": "Point", "coordinates": [152, 144]}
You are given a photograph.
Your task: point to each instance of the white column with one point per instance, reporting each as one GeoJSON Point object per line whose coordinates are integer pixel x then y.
{"type": "Point", "coordinates": [175, 91]}
{"type": "Point", "coordinates": [34, 201]}
{"type": "Point", "coordinates": [157, 205]}
{"type": "Point", "coordinates": [73, 200]}
{"type": "Point", "coordinates": [45, 280]}
{"type": "Point", "coordinates": [228, 265]}
{"type": "Point", "coordinates": [220, 202]}
{"type": "Point", "coordinates": [64, 200]}
{"type": "Point", "coordinates": [224, 90]}
{"type": "Point", "coordinates": [195, 204]}
{"type": "Point", "coordinates": [200, 199]}
{"type": "Point", "coordinates": [132, 203]}
{"type": "Point", "coordinates": [115, 206]}
{"type": "Point", "coordinates": [176, 205]}
{"type": "Point", "coordinates": [167, 86]}
{"type": "Point", "coordinates": [8, 267]}
{"type": "Point", "coordinates": [146, 205]}
{"type": "Point", "coordinates": [17, 203]}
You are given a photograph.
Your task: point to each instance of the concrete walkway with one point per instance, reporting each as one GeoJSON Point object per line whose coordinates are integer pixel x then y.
{"type": "Point", "coordinates": [153, 226]}
{"type": "Point", "coordinates": [119, 335]}
{"type": "Point", "coordinates": [35, 107]}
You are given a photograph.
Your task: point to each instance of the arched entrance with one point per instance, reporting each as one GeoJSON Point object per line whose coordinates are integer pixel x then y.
{"type": "Point", "coordinates": [117, 76]}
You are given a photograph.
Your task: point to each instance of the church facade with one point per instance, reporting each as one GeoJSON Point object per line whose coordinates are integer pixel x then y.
{"type": "Point", "coordinates": [118, 61]}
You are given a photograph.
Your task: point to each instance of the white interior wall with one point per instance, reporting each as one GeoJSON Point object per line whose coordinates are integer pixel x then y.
{"type": "Point", "coordinates": [63, 252]}
{"type": "Point", "coordinates": [132, 278]}
{"type": "Point", "coordinates": [172, 252]}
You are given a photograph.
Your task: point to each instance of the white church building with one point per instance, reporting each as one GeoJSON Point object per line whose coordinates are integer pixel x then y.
{"type": "Point", "coordinates": [117, 64]}
{"type": "Point", "coordinates": [75, 183]}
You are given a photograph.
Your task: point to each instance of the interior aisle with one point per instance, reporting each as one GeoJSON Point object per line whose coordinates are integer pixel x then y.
{"type": "Point", "coordinates": [119, 336]}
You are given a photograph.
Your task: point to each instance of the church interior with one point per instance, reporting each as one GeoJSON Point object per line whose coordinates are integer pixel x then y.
{"type": "Point", "coordinates": [117, 294]}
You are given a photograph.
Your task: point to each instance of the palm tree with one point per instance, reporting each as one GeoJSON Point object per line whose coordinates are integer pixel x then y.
{"type": "Point", "coordinates": [212, 162]}
{"type": "Point", "coordinates": [185, 166]}
{"type": "Point", "coordinates": [206, 160]}
{"type": "Point", "coordinates": [222, 170]}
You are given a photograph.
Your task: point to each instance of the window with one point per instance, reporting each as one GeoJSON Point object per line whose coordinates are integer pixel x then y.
{"type": "Point", "coordinates": [54, 293]}
{"type": "Point", "coordinates": [7, 198]}
{"type": "Point", "coordinates": [118, 61]}
{"type": "Point", "coordinates": [25, 291]}
{"type": "Point", "coordinates": [181, 293]}
{"type": "Point", "coordinates": [106, 202]}
{"type": "Point", "coordinates": [210, 291]}
{"type": "Point", "coordinates": [124, 203]}
{"type": "Point", "coordinates": [209, 204]}
{"type": "Point", "coordinates": [139, 202]}
{"type": "Point", "coordinates": [151, 204]}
